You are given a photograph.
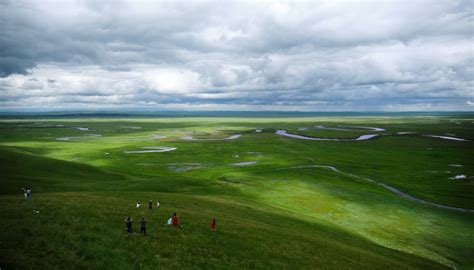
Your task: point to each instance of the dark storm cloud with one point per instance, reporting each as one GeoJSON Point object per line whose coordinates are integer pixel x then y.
{"type": "Point", "coordinates": [319, 55]}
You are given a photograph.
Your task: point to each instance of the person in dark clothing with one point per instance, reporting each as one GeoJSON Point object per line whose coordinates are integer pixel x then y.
{"type": "Point", "coordinates": [150, 204]}
{"type": "Point", "coordinates": [143, 226]}
{"type": "Point", "coordinates": [213, 225]}
{"type": "Point", "coordinates": [128, 225]}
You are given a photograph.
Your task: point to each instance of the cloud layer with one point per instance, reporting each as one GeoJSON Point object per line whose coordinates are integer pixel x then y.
{"type": "Point", "coordinates": [237, 55]}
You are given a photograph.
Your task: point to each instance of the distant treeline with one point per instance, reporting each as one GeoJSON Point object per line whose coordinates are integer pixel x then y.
{"type": "Point", "coordinates": [63, 114]}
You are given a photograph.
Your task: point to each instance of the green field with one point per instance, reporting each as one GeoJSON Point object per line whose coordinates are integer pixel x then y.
{"type": "Point", "coordinates": [277, 202]}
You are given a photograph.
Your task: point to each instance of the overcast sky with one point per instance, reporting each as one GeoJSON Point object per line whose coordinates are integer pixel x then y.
{"type": "Point", "coordinates": [237, 55]}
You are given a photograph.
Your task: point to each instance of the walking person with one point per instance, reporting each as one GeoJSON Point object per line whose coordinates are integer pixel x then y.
{"type": "Point", "coordinates": [128, 225]}
{"type": "Point", "coordinates": [157, 204]}
{"type": "Point", "coordinates": [143, 226]}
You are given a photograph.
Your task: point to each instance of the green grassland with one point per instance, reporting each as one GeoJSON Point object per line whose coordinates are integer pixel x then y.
{"type": "Point", "coordinates": [284, 209]}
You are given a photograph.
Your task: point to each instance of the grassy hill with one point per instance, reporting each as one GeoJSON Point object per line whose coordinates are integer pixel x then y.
{"type": "Point", "coordinates": [281, 211]}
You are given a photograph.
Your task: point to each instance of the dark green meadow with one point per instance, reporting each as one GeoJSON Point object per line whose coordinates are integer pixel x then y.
{"type": "Point", "coordinates": [277, 203]}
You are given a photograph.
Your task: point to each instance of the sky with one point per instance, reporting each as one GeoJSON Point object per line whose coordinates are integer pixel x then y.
{"type": "Point", "coordinates": [237, 55]}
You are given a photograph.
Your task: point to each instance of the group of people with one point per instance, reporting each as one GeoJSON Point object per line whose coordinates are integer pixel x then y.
{"type": "Point", "coordinates": [27, 192]}
{"type": "Point", "coordinates": [129, 222]}
{"type": "Point", "coordinates": [172, 221]}
{"type": "Point", "coordinates": [150, 204]}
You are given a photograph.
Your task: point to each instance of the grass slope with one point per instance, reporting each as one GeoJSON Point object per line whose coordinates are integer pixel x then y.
{"type": "Point", "coordinates": [276, 213]}
{"type": "Point", "coordinates": [83, 230]}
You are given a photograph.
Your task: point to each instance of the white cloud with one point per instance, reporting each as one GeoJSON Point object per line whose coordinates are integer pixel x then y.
{"type": "Point", "coordinates": [316, 55]}
{"type": "Point", "coordinates": [172, 80]}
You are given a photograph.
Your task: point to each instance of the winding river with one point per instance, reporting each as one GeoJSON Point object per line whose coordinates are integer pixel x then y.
{"type": "Point", "coordinates": [190, 138]}
{"type": "Point", "coordinates": [387, 187]}
{"type": "Point", "coordinates": [350, 128]}
{"type": "Point", "coordinates": [151, 149]}
{"type": "Point", "coordinates": [283, 132]}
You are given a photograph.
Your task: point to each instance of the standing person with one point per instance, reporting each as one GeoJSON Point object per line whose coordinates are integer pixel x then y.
{"type": "Point", "coordinates": [150, 204]}
{"type": "Point", "coordinates": [143, 226]}
{"type": "Point", "coordinates": [25, 193]}
{"type": "Point", "coordinates": [213, 225]}
{"type": "Point", "coordinates": [175, 220]}
{"type": "Point", "coordinates": [128, 225]}
{"type": "Point", "coordinates": [138, 204]}
{"type": "Point", "coordinates": [28, 192]}
{"type": "Point", "coordinates": [157, 204]}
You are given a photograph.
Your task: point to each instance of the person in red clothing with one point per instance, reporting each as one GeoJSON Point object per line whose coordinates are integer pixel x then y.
{"type": "Point", "coordinates": [174, 220]}
{"type": "Point", "coordinates": [213, 225]}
